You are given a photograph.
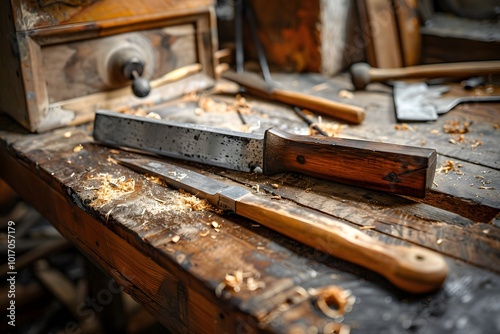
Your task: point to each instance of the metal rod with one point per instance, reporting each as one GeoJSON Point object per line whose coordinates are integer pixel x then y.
{"type": "Point", "coordinates": [316, 128]}
{"type": "Point", "coordinates": [238, 23]}
{"type": "Point", "coordinates": [261, 54]}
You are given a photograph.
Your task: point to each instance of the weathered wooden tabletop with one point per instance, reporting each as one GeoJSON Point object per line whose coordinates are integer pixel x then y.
{"type": "Point", "coordinates": [178, 256]}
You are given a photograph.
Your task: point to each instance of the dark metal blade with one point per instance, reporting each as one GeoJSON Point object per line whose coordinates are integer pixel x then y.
{"type": "Point", "coordinates": [215, 192]}
{"type": "Point", "coordinates": [213, 146]}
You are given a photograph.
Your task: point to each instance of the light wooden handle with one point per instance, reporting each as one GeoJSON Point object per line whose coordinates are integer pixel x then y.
{"type": "Point", "coordinates": [399, 169]}
{"type": "Point", "coordinates": [413, 269]}
{"type": "Point", "coordinates": [259, 87]}
{"type": "Point", "coordinates": [362, 74]}
{"type": "Point", "coordinates": [346, 112]}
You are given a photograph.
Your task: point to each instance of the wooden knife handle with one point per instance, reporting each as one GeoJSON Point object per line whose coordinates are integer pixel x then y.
{"type": "Point", "coordinates": [413, 269]}
{"type": "Point", "coordinates": [404, 170]}
{"type": "Point", "coordinates": [343, 111]}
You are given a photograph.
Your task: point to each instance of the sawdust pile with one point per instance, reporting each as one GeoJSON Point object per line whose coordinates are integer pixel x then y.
{"type": "Point", "coordinates": [192, 202]}
{"type": "Point", "coordinates": [110, 188]}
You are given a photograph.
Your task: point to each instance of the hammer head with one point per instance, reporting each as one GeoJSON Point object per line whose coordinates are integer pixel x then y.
{"type": "Point", "coordinates": [360, 75]}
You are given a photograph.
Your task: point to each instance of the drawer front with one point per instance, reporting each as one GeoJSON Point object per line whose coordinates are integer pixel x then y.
{"type": "Point", "coordinates": [86, 67]}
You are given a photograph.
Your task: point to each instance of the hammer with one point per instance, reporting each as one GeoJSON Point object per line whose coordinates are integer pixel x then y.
{"type": "Point", "coordinates": [362, 74]}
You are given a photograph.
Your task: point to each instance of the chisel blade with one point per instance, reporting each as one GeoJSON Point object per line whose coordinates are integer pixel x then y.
{"type": "Point", "coordinates": [199, 143]}
{"type": "Point", "coordinates": [215, 192]}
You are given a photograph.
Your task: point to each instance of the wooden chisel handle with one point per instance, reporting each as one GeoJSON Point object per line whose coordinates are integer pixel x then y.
{"type": "Point", "coordinates": [345, 112]}
{"type": "Point", "coordinates": [393, 168]}
{"type": "Point", "coordinates": [413, 269]}
{"type": "Point", "coordinates": [362, 74]}
{"type": "Point", "coordinates": [259, 87]}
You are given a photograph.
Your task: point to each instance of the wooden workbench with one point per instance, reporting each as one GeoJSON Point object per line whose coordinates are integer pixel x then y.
{"type": "Point", "coordinates": [166, 251]}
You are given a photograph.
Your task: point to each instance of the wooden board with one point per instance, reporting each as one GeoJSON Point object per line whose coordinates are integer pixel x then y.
{"type": "Point", "coordinates": [380, 33]}
{"type": "Point", "coordinates": [35, 14]}
{"type": "Point", "coordinates": [131, 234]}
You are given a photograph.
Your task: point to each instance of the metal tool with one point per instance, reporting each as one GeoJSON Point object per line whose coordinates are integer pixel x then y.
{"type": "Point", "coordinates": [393, 168]}
{"type": "Point", "coordinates": [413, 269]}
{"type": "Point", "coordinates": [422, 102]}
{"type": "Point", "coordinates": [362, 74]}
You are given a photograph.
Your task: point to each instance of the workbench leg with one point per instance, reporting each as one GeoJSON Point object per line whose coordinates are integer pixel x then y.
{"type": "Point", "coordinates": [106, 299]}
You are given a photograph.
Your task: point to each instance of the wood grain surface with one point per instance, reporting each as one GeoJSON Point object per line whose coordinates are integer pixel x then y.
{"type": "Point", "coordinates": [164, 249]}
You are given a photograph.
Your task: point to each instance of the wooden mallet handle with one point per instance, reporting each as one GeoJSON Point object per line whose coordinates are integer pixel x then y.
{"type": "Point", "coordinates": [362, 74]}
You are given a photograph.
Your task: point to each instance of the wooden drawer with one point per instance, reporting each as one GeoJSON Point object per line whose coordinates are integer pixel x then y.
{"type": "Point", "coordinates": [58, 57]}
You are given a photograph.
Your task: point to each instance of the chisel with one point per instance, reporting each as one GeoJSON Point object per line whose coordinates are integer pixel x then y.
{"type": "Point", "coordinates": [400, 169]}
{"type": "Point", "coordinates": [413, 269]}
{"type": "Point", "coordinates": [254, 85]}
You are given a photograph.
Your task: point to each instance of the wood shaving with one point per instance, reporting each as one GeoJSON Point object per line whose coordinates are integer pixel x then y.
{"type": "Point", "coordinates": [367, 227]}
{"type": "Point", "coordinates": [484, 183]}
{"type": "Point", "coordinates": [155, 179]}
{"type": "Point", "coordinates": [456, 127]}
{"type": "Point", "coordinates": [78, 148]}
{"type": "Point", "coordinates": [208, 104]}
{"type": "Point", "coordinates": [240, 281]}
{"type": "Point", "coordinates": [404, 127]}
{"type": "Point", "coordinates": [320, 87]}
{"type": "Point", "coordinates": [153, 115]}
{"type": "Point", "coordinates": [194, 203]}
{"type": "Point", "coordinates": [461, 138]}
{"type": "Point", "coordinates": [216, 226]}
{"type": "Point", "coordinates": [345, 94]}
{"type": "Point", "coordinates": [110, 188]}
{"type": "Point", "coordinates": [450, 166]}
{"type": "Point", "coordinates": [476, 143]}
{"type": "Point", "coordinates": [334, 301]}
{"type": "Point", "coordinates": [158, 200]}
{"type": "Point", "coordinates": [332, 129]}
{"type": "Point", "coordinates": [277, 197]}
{"type": "Point", "coordinates": [108, 213]}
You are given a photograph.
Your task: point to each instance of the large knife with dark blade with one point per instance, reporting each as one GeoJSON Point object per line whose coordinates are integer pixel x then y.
{"type": "Point", "coordinates": [413, 269]}
{"type": "Point", "coordinates": [393, 168]}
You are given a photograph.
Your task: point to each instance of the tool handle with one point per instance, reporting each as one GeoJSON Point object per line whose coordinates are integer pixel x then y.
{"type": "Point", "coordinates": [413, 269]}
{"type": "Point", "coordinates": [362, 74]}
{"type": "Point", "coordinates": [437, 70]}
{"type": "Point", "coordinates": [343, 111]}
{"type": "Point", "coordinates": [393, 168]}
{"type": "Point", "coordinates": [256, 86]}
